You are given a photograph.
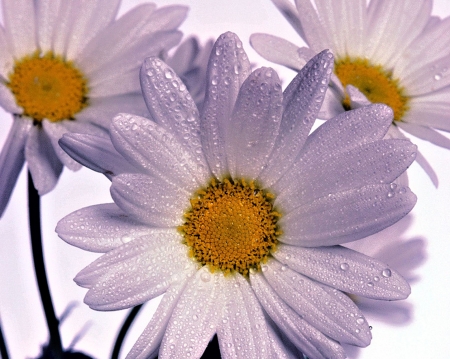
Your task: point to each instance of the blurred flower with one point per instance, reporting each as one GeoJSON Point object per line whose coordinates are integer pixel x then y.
{"type": "Point", "coordinates": [237, 215]}
{"type": "Point", "coordinates": [66, 67]}
{"type": "Point", "coordinates": [391, 52]}
{"type": "Point", "coordinates": [189, 62]}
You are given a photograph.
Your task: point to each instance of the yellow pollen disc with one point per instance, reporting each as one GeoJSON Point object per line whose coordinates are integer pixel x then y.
{"type": "Point", "coordinates": [48, 87]}
{"type": "Point", "coordinates": [231, 226]}
{"type": "Point", "coordinates": [374, 82]}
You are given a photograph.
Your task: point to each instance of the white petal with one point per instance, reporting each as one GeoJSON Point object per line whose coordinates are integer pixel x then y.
{"type": "Point", "coordinates": [155, 151]}
{"type": "Point", "coordinates": [43, 163]}
{"type": "Point", "coordinates": [228, 67]}
{"type": "Point", "coordinates": [428, 47]}
{"type": "Point", "coordinates": [12, 158]}
{"type": "Point", "coordinates": [47, 17]}
{"type": "Point", "coordinates": [92, 18]}
{"type": "Point", "coordinates": [243, 331]}
{"type": "Point", "coordinates": [392, 26]}
{"type": "Point", "coordinates": [196, 316]}
{"type": "Point", "coordinates": [349, 130]}
{"type": "Point", "coordinates": [55, 130]}
{"type": "Point", "coordinates": [96, 153]}
{"type": "Point", "coordinates": [8, 101]}
{"type": "Point", "coordinates": [99, 228]}
{"type": "Point", "coordinates": [20, 26]}
{"type": "Point", "coordinates": [254, 125]}
{"type": "Point", "coordinates": [315, 34]}
{"type": "Point", "coordinates": [136, 271]}
{"type": "Point", "coordinates": [281, 347]}
{"type": "Point", "coordinates": [346, 216]}
{"type": "Point", "coordinates": [119, 83]}
{"type": "Point", "coordinates": [291, 15]}
{"type": "Point", "coordinates": [172, 107]}
{"type": "Point", "coordinates": [346, 270]}
{"type": "Point", "coordinates": [148, 343]}
{"type": "Point", "coordinates": [344, 22]}
{"type": "Point", "coordinates": [306, 337]}
{"type": "Point", "coordinates": [277, 50]}
{"type": "Point", "coordinates": [426, 133]}
{"type": "Point", "coordinates": [116, 41]}
{"type": "Point", "coordinates": [431, 77]}
{"type": "Point", "coordinates": [301, 102]}
{"type": "Point", "coordinates": [6, 55]}
{"type": "Point", "coordinates": [372, 163]}
{"type": "Point", "coordinates": [328, 312]}
{"type": "Point", "coordinates": [430, 110]}
{"type": "Point", "coordinates": [357, 98]}
{"type": "Point", "coordinates": [150, 199]}
{"type": "Point", "coordinates": [129, 61]}
{"type": "Point", "coordinates": [102, 110]}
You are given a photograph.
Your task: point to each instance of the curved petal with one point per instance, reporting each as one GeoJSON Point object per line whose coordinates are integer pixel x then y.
{"type": "Point", "coordinates": [426, 133]}
{"type": "Point", "coordinates": [290, 13]}
{"type": "Point", "coordinates": [149, 199]}
{"type": "Point", "coordinates": [301, 103]}
{"type": "Point", "coordinates": [254, 125]}
{"type": "Point", "coordinates": [155, 151]}
{"type": "Point", "coordinates": [96, 153]}
{"type": "Point", "coordinates": [228, 67]}
{"type": "Point", "coordinates": [6, 56]}
{"type": "Point", "coordinates": [346, 270]}
{"type": "Point", "coordinates": [148, 343]}
{"type": "Point", "coordinates": [346, 216]}
{"type": "Point", "coordinates": [101, 110]}
{"type": "Point", "coordinates": [20, 26]}
{"type": "Point", "coordinates": [55, 130]}
{"type": "Point", "coordinates": [195, 317]}
{"type": "Point", "coordinates": [277, 50]}
{"type": "Point", "coordinates": [306, 337]}
{"type": "Point", "coordinates": [100, 228]}
{"type": "Point", "coordinates": [8, 101]}
{"type": "Point", "coordinates": [12, 158]}
{"type": "Point", "coordinates": [135, 272]}
{"type": "Point", "coordinates": [372, 163]}
{"type": "Point", "coordinates": [43, 162]}
{"type": "Point", "coordinates": [243, 332]}
{"type": "Point", "coordinates": [172, 107]}
{"type": "Point", "coordinates": [330, 313]}
{"type": "Point", "coordinates": [349, 130]}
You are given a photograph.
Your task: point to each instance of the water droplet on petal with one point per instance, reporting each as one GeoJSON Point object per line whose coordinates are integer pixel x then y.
{"type": "Point", "coordinates": [360, 320]}
{"type": "Point", "coordinates": [205, 277]}
{"type": "Point", "coordinates": [386, 273]}
{"type": "Point", "coordinates": [344, 266]}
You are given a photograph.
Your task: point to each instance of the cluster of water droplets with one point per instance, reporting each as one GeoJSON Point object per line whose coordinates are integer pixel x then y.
{"type": "Point", "coordinates": [171, 106]}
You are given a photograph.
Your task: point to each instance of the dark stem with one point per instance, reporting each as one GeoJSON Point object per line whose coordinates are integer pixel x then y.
{"type": "Point", "coordinates": [3, 348]}
{"type": "Point", "coordinates": [123, 331]}
{"type": "Point", "coordinates": [34, 213]}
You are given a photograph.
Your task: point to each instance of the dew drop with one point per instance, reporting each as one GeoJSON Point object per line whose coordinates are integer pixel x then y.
{"type": "Point", "coordinates": [360, 321]}
{"type": "Point", "coordinates": [386, 273]}
{"type": "Point", "coordinates": [214, 80]}
{"type": "Point", "coordinates": [370, 284]}
{"type": "Point", "coordinates": [344, 266]}
{"type": "Point", "coordinates": [437, 77]}
{"type": "Point", "coordinates": [168, 74]}
{"type": "Point", "coordinates": [264, 268]}
{"type": "Point", "coordinates": [205, 277]}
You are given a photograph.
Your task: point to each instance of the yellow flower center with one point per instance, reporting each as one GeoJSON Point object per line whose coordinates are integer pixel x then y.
{"type": "Point", "coordinates": [48, 87]}
{"type": "Point", "coordinates": [231, 226]}
{"type": "Point", "coordinates": [374, 82]}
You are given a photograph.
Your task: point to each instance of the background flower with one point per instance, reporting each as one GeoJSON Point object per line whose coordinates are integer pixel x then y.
{"type": "Point", "coordinates": [59, 75]}
{"type": "Point", "coordinates": [394, 53]}
{"type": "Point", "coordinates": [207, 19]}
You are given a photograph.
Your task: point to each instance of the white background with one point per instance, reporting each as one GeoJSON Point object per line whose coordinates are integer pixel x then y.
{"type": "Point", "coordinates": [424, 336]}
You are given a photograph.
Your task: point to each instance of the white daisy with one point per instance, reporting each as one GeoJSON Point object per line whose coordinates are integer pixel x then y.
{"type": "Point", "coordinates": [391, 52]}
{"type": "Point", "coordinates": [69, 66]}
{"type": "Point", "coordinates": [237, 215]}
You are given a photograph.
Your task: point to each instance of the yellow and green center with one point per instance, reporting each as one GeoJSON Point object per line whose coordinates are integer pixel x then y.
{"type": "Point", "coordinates": [377, 84]}
{"type": "Point", "coordinates": [48, 87]}
{"type": "Point", "coordinates": [231, 226]}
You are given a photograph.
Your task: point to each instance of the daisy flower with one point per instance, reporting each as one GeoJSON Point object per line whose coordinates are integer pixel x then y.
{"type": "Point", "coordinates": [66, 67]}
{"type": "Point", "coordinates": [391, 52]}
{"type": "Point", "coordinates": [237, 214]}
